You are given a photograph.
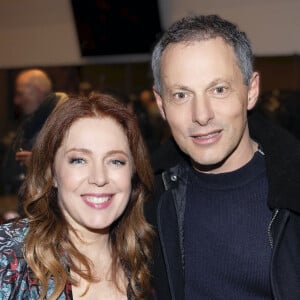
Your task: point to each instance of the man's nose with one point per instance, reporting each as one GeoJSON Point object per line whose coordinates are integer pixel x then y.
{"type": "Point", "coordinates": [202, 111]}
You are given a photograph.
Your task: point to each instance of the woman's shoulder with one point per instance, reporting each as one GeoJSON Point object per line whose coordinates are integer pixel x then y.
{"type": "Point", "coordinates": [11, 238]}
{"type": "Point", "coordinates": [13, 268]}
{"type": "Point", "coordinates": [13, 233]}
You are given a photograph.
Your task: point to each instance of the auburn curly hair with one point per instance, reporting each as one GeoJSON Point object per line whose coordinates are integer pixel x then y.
{"type": "Point", "coordinates": [48, 248]}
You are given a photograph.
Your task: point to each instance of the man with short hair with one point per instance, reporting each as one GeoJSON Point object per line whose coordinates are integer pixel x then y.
{"type": "Point", "coordinates": [31, 88]}
{"type": "Point", "coordinates": [227, 214]}
{"type": "Point", "coordinates": [36, 100]}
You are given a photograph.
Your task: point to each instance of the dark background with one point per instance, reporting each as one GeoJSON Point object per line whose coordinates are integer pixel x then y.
{"type": "Point", "coordinates": [108, 27]}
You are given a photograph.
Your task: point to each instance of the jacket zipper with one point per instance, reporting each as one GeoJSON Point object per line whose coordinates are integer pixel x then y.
{"type": "Point", "coordinates": [270, 227]}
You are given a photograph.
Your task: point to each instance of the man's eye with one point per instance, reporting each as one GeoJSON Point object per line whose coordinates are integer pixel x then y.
{"type": "Point", "coordinates": [180, 95]}
{"type": "Point", "coordinates": [220, 90]}
{"type": "Point", "coordinates": [76, 161]}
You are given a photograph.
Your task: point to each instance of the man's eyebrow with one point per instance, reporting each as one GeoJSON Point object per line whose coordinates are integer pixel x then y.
{"type": "Point", "coordinates": [180, 87]}
{"type": "Point", "coordinates": [218, 81]}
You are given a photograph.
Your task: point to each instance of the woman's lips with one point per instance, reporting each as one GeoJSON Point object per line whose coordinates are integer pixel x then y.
{"type": "Point", "coordinates": [98, 201]}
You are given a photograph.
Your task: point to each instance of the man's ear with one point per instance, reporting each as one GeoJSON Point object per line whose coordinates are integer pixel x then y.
{"type": "Point", "coordinates": [159, 103]}
{"type": "Point", "coordinates": [253, 91]}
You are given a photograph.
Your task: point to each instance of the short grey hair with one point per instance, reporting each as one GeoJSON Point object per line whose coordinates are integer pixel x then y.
{"type": "Point", "coordinates": [204, 27]}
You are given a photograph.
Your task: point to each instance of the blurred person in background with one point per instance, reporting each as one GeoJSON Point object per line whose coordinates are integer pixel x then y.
{"type": "Point", "coordinates": [35, 100]}
{"type": "Point", "coordinates": [31, 88]}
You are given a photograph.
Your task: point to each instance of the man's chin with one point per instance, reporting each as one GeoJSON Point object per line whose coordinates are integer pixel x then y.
{"type": "Point", "coordinates": [207, 166]}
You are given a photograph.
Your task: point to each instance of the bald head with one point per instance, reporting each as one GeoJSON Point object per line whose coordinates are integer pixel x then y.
{"type": "Point", "coordinates": [32, 87]}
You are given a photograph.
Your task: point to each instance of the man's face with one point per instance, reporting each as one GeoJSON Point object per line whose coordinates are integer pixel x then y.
{"type": "Point", "coordinates": [205, 102]}
{"type": "Point", "coordinates": [27, 96]}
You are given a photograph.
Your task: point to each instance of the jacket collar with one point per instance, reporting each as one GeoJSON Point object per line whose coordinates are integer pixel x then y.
{"type": "Point", "coordinates": [282, 155]}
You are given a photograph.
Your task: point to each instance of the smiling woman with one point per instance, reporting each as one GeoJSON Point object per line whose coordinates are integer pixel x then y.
{"type": "Point", "coordinates": [93, 170]}
{"type": "Point", "coordinates": [85, 235]}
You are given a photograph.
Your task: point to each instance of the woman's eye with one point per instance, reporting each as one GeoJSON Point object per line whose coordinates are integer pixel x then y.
{"type": "Point", "coordinates": [77, 161]}
{"type": "Point", "coordinates": [117, 162]}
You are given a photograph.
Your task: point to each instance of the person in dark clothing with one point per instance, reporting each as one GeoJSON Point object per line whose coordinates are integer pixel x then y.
{"type": "Point", "coordinates": [227, 186]}
{"type": "Point", "coordinates": [32, 86]}
{"type": "Point", "coordinates": [36, 100]}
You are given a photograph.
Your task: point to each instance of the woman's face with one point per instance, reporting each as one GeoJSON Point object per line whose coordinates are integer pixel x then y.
{"type": "Point", "coordinates": [93, 170]}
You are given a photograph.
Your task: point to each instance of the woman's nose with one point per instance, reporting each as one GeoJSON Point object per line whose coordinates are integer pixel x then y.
{"type": "Point", "coordinates": [98, 176]}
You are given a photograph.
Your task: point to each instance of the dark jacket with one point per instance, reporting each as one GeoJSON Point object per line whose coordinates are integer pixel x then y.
{"type": "Point", "coordinates": [166, 213]}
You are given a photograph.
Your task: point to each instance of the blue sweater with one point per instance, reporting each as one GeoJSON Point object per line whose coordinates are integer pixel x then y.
{"type": "Point", "coordinates": [226, 247]}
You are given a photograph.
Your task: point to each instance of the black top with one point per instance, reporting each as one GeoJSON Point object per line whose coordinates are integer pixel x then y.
{"type": "Point", "coordinates": [226, 248]}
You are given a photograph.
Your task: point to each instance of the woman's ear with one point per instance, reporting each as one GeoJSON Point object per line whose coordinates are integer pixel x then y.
{"type": "Point", "coordinates": [54, 182]}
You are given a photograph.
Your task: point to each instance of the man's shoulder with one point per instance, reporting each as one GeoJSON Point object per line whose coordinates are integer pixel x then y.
{"type": "Point", "coordinates": [268, 131]}
{"type": "Point", "coordinates": [282, 157]}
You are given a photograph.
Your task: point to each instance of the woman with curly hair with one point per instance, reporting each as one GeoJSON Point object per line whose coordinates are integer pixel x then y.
{"type": "Point", "coordinates": [85, 235]}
